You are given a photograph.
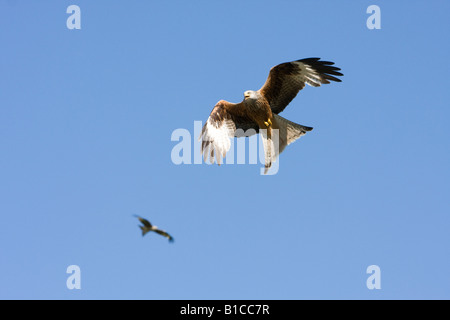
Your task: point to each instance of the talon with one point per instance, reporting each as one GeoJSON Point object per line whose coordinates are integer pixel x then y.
{"type": "Point", "coordinates": [268, 123]}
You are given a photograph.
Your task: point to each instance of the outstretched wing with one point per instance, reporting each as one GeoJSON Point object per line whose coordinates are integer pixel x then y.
{"type": "Point", "coordinates": [165, 234]}
{"type": "Point", "coordinates": [224, 123]}
{"type": "Point", "coordinates": [145, 222]}
{"type": "Point", "coordinates": [287, 79]}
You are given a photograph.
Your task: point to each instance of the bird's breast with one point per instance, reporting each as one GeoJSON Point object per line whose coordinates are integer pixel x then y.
{"type": "Point", "coordinates": [254, 106]}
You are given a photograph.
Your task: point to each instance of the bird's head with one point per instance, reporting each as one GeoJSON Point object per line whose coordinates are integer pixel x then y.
{"type": "Point", "coordinates": [250, 94]}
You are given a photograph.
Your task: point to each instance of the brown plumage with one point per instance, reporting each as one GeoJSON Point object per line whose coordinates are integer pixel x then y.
{"type": "Point", "coordinates": [259, 110]}
{"type": "Point", "coordinates": [287, 79]}
{"type": "Point", "coordinates": [147, 227]}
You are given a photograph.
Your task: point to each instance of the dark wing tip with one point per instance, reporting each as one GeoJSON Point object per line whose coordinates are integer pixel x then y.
{"type": "Point", "coordinates": [328, 77]}
{"type": "Point", "coordinates": [306, 60]}
{"type": "Point", "coordinates": [326, 68]}
{"type": "Point", "coordinates": [164, 233]}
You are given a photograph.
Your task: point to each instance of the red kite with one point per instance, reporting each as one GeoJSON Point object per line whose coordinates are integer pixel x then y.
{"type": "Point", "coordinates": [147, 226]}
{"type": "Point", "coordinates": [259, 110]}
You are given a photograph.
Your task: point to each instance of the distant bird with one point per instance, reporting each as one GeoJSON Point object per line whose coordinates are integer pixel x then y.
{"type": "Point", "coordinates": [147, 226]}
{"type": "Point", "coordinates": [259, 110]}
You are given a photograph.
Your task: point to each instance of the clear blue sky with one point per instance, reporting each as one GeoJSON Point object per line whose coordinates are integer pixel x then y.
{"type": "Point", "coordinates": [86, 118]}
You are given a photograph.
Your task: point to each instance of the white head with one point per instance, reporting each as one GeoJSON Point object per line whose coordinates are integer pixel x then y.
{"type": "Point", "coordinates": [250, 94]}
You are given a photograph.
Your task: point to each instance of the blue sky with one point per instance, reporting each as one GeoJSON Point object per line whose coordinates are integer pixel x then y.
{"type": "Point", "coordinates": [86, 118]}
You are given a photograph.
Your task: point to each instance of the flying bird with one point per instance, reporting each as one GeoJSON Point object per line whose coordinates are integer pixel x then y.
{"type": "Point", "coordinates": [259, 110]}
{"type": "Point", "coordinates": [147, 226]}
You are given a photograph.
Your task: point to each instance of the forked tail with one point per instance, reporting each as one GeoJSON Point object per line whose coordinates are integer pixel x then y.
{"type": "Point", "coordinates": [288, 131]}
{"type": "Point", "coordinates": [283, 133]}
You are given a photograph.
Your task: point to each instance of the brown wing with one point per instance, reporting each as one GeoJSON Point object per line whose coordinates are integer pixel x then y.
{"type": "Point", "coordinates": [145, 222]}
{"type": "Point", "coordinates": [287, 79]}
{"type": "Point", "coordinates": [223, 123]}
{"type": "Point", "coordinates": [165, 234]}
